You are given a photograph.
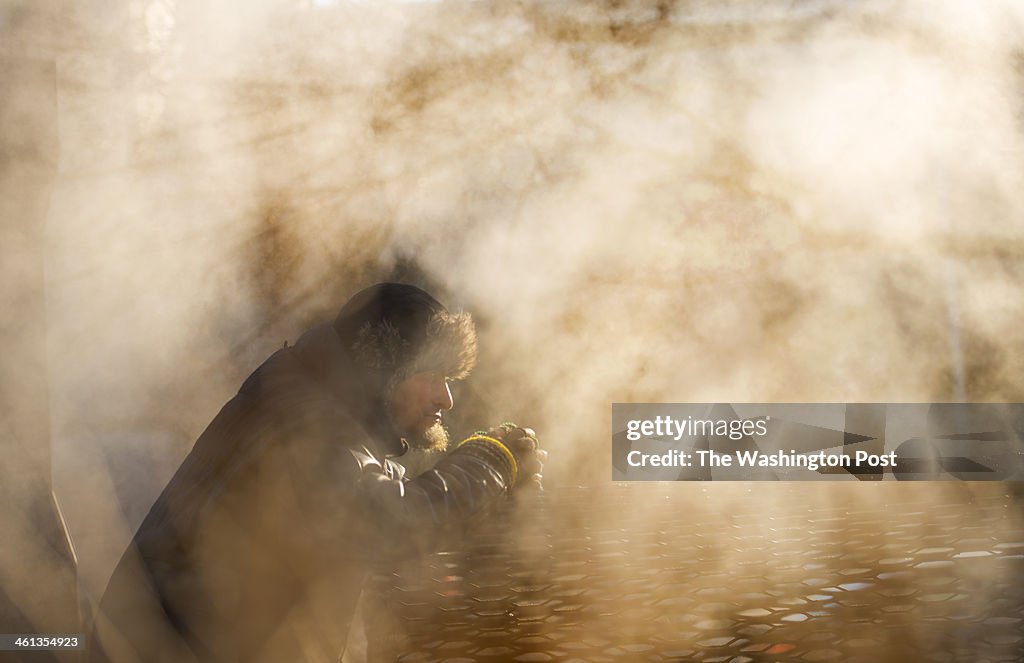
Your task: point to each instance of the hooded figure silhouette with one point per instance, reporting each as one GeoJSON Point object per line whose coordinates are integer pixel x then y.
{"type": "Point", "coordinates": [257, 548]}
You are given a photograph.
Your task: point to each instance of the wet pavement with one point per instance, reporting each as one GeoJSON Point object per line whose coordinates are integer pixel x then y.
{"type": "Point", "coordinates": [645, 572]}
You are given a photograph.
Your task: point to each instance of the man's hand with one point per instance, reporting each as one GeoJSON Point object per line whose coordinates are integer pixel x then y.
{"type": "Point", "coordinates": [522, 442]}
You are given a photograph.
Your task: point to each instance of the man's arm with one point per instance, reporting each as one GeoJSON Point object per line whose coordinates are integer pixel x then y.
{"type": "Point", "coordinates": [368, 515]}
{"type": "Point", "coordinates": [394, 519]}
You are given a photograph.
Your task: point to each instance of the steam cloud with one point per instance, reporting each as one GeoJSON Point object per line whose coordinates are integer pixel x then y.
{"type": "Point", "coordinates": [641, 201]}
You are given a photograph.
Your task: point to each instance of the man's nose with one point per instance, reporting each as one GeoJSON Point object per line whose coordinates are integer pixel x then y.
{"type": "Point", "coordinates": [443, 397]}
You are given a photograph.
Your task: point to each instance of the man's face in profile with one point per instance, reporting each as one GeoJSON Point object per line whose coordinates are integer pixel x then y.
{"type": "Point", "coordinates": [417, 406]}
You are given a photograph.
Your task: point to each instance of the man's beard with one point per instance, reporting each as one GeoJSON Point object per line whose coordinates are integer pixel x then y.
{"type": "Point", "coordinates": [434, 438]}
{"type": "Point", "coordinates": [424, 450]}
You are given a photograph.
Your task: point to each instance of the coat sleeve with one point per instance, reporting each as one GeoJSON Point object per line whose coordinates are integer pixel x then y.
{"type": "Point", "coordinates": [366, 514]}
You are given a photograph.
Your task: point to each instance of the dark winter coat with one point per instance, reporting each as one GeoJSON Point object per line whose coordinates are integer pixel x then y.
{"type": "Point", "coordinates": [257, 548]}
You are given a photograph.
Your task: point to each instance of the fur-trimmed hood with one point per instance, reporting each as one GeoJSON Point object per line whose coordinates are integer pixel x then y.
{"type": "Point", "coordinates": [393, 330]}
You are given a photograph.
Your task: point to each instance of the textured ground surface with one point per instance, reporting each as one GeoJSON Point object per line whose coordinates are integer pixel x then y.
{"type": "Point", "coordinates": [655, 573]}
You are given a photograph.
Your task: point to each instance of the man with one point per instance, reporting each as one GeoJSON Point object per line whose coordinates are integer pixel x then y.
{"type": "Point", "coordinates": [257, 548]}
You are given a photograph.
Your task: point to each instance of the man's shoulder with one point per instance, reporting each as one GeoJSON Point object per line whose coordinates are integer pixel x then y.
{"type": "Point", "coordinates": [310, 380]}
